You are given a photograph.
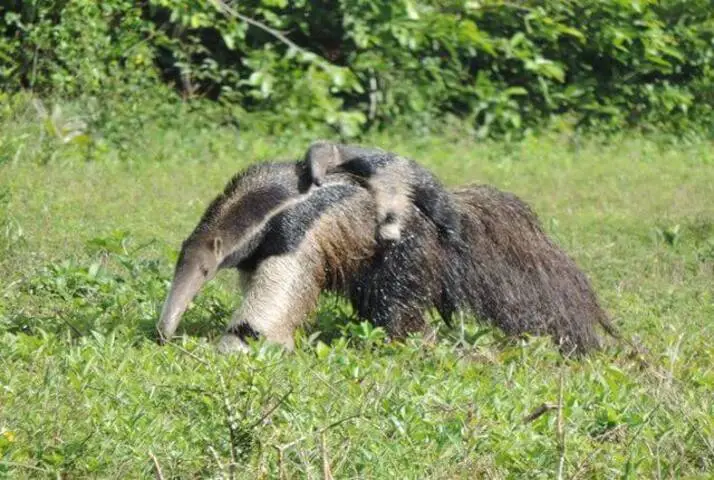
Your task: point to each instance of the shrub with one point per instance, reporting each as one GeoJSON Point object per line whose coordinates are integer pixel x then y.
{"type": "Point", "coordinates": [352, 64]}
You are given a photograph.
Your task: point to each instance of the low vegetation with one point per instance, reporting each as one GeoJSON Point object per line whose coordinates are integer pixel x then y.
{"type": "Point", "coordinates": [87, 244]}
{"type": "Point", "coordinates": [120, 120]}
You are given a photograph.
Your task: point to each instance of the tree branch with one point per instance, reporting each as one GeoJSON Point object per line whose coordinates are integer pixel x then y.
{"type": "Point", "coordinates": [227, 10]}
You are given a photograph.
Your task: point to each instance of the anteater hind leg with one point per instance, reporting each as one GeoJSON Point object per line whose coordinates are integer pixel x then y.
{"type": "Point", "coordinates": [278, 297]}
{"type": "Point", "coordinates": [405, 323]}
{"type": "Point", "coordinates": [399, 316]}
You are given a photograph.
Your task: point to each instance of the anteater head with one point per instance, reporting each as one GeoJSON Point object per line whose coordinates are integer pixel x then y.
{"type": "Point", "coordinates": [228, 233]}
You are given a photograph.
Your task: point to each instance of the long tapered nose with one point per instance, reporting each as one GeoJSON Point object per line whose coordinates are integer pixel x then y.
{"type": "Point", "coordinates": [184, 288]}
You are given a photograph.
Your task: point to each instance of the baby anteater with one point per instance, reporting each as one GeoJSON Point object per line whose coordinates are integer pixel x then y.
{"type": "Point", "coordinates": [396, 183]}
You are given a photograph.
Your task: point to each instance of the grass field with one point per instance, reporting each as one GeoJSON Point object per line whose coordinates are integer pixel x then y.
{"type": "Point", "coordinates": [86, 253]}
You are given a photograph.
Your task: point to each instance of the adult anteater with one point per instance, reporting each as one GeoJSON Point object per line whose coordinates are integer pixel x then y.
{"type": "Point", "coordinates": [290, 241]}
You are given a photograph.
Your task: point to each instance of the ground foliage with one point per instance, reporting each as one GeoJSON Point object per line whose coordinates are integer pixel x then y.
{"type": "Point", "coordinates": [506, 67]}
{"type": "Point", "coordinates": [86, 251]}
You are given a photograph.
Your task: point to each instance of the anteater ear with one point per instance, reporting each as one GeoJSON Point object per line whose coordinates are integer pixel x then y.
{"type": "Point", "coordinates": [218, 248]}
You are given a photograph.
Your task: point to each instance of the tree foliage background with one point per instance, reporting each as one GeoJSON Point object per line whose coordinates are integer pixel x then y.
{"type": "Point", "coordinates": [504, 67]}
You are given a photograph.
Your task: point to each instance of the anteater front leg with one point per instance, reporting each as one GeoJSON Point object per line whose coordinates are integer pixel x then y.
{"type": "Point", "coordinates": [278, 296]}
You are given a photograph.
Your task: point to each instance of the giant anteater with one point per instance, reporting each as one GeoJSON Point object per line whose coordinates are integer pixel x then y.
{"type": "Point", "coordinates": [291, 241]}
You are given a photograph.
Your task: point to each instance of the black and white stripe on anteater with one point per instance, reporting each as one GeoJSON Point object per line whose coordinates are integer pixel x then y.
{"type": "Point", "coordinates": [290, 242]}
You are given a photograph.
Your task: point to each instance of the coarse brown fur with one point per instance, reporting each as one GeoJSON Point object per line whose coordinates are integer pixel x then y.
{"type": "Point", "coordinates": [503, 267]}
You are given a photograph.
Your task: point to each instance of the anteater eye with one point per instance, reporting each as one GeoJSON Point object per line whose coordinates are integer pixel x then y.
{"type": "Point", "coordinates": [204, 271]}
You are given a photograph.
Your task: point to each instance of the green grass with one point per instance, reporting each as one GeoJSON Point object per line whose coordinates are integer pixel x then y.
{"type": "Point", "coordinates": [86, 252]}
